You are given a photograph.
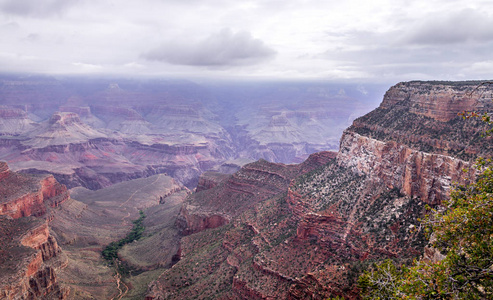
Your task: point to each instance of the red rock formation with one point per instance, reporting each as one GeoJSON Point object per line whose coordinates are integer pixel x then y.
{"type": "Point", "coordinates": [209, 180]}
{"type": "Point", "coordinates": [26, 195]}
{"type": "Point", "coordinates": [415, 173]}
{"type": "Point", "coordinates": [32, 274]}
{"type": "Point", "coordinates": [438, 100]}
{"type": "Point", "coordinates": [255, 182]}
{"type": "Point", "coordinates": [197, 222]}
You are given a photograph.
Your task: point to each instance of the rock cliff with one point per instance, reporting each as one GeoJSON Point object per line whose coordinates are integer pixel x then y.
{"type": "Point", "coordinates": [30, 256]}
{"type": "Point", "coordinates": [294, 232]}
{"type": "Point", "coordinates": [28, 195]}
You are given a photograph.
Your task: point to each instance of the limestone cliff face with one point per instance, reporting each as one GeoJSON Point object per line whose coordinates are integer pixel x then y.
{"type": "Point", "coordinates": [416, 142]}
{"type": "Point", "coordinates": [439, 100]}
{"type": "Point", "coordinates": [30, 259]}
{"type": "Point", "coordinates": [423, 116]}
{"type": "Point", "coordinates": [305, 233]}
{"type": "Point", "coordinates": [26, 195]}
{"type": "Point", "coordinates": [415, 173]}
{"type": "Point", "coordinates": [29, 255]}
{"type": "Point", "coordinates": [209, 180]}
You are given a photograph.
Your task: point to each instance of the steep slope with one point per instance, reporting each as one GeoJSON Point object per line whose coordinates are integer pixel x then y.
{"type": "Point", "coordinates": [14, 121]}
{"type": "Point", "coordinates": [30, 258]}
{"type": "Point", "coordinates": [275, 232]}
{"type": "Point", "coordinates": [63, 128]}
{"type": "Point", "coordinates": [90, 220]}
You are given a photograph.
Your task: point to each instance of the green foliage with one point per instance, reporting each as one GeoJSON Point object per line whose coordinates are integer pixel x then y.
{"type": "Point", "coordinates": [382, 281]}
{"type": "Point", "coordinates": [485, 118]}
{"type": "Point", "coordinates": [464, 233]}
{"type": "Point", "coordinates": [110, 252]}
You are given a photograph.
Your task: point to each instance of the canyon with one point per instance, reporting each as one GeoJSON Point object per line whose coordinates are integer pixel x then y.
{"type": "Point", "coordinates": [317, 229]}
{"type": "Point", "coordinates": [95, 133]}
{"type": "Point", "coordinates": [265, 228]}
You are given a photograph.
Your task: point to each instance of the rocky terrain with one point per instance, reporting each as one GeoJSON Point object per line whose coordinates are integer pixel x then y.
{"type": "Point", "coordinates": [274, 231]}
{"type": "Point", "coordinates": [51, 243]}
{"type": "Point", "coordinates": [90, 220]}
{"type": "Point", "coordinates": [266, 230]}
{"type": "Point", "coordinates": [30, 258]}
{"type": "Point", "coordinates": [95, 133]}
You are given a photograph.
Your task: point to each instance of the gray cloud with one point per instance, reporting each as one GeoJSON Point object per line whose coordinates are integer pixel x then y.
{"type": "Point", "coordinates": [429, 54]}
{"type": "Point", "coordinates": [221, 49]}
{"type": "Point", "coordinates": [39, 8]}
{"type": "Point", "coordinates": [459, 27]}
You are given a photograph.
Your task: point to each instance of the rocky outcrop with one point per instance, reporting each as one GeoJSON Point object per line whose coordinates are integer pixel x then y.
{"type": "Point", "coordinates": [415, 173]}
{"type": "Point", "coordinates": [27, 195]}
{"type": "Point", "coordinates": [33, 272]}
{"type": "Point", "coordinates": [30, 256]}
{"type": "Point", "coordinates": [439, 100]}
{"type": "Point", "coordinates": [209, 180]}
{"type": "Point", "coordinates": [423, 116]}
{"type": "Point", "coordinates": [191, 221]}
{"type": "Point", "coordinates": [255, 182]}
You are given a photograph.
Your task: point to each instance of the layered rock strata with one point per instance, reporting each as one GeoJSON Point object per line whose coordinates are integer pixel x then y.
{"type": "Point", "coordinates": [30, 256]}
{"type": "Point", "coordinates": [290, 234]}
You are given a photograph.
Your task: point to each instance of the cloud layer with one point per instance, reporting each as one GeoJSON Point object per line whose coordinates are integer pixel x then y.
{"type": "Point", "coordinates": [381, 40]}
{"type": "Point", "coordinates": [218, 50]}
{"type": "Point", "coordinates": [41, 8]}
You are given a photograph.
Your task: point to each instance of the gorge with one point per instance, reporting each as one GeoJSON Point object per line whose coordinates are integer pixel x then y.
{"type": "Point", "coordinates": [270, 229]}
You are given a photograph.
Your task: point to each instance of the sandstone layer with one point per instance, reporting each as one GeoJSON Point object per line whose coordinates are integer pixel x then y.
{"type": "Point", "coordinates": [274, 231]}
{"type": "Point", "coordinates": [30, 256]}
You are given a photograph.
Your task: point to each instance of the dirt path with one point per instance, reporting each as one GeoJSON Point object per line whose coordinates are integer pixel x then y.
{"type": "Point", "coordinates": [118, 277]}
{"type": "Point", "coordinates": [140, 189]}
{"type": "Point", "coordinates": [119, 284]}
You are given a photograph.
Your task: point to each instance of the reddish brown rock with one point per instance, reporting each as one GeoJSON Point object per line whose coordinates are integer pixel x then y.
{"type": "Point", "coordinates": [28, 195]}
{"type": "Point", "coordinates": [439, 100]}
{"type": "Point", "coordinates": [209, 180]}
{"type": "Point", "coordinates": [30, 259]}
{"type": "Point", "coordinates": [29, 255]}
{"type": "Point", "coordinates": [416, 173]}
{"type": "Point", "coordinates": [255, 182]}
{"type": "Point", "coordinates": [307, 231]}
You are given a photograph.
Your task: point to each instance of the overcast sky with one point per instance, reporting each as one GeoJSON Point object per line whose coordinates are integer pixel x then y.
{"type": "Point", "coordinates": [373, 41]}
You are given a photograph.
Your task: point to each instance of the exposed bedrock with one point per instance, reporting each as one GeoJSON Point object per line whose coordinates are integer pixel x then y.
{"type": "Point", "coordinates": [29, 255]}
{"type": "Point", "coordinates": [417, 174]}
{"type": "Point", "coordinates": [306, 231]}
{"type": "Point", "coordinates": [27, 195]}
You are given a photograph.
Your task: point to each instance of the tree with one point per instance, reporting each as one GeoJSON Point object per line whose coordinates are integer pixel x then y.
{"type": "Point", "coordinates": [463, 233]}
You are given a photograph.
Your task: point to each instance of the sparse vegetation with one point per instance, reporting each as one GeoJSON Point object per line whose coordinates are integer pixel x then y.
{"type": "Point", "coordinates": [110, 252]}
{"type": "Point", "coordinates": [461, 233]}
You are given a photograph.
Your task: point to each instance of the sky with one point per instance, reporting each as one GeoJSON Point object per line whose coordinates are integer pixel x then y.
{"type": "Point", "coordinates": [360, 40]}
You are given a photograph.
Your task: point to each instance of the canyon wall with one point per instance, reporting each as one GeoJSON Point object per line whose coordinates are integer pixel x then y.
{"type": "Point", "coordinates": [308, 233]}
{"type": "Point", "coordinates": [30, 256]}
{"type": "Point", "coordinates": [95, 133]}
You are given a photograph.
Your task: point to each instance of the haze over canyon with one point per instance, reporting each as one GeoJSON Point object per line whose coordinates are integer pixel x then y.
{"type": "Point", "coordinates": [222, 190]}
